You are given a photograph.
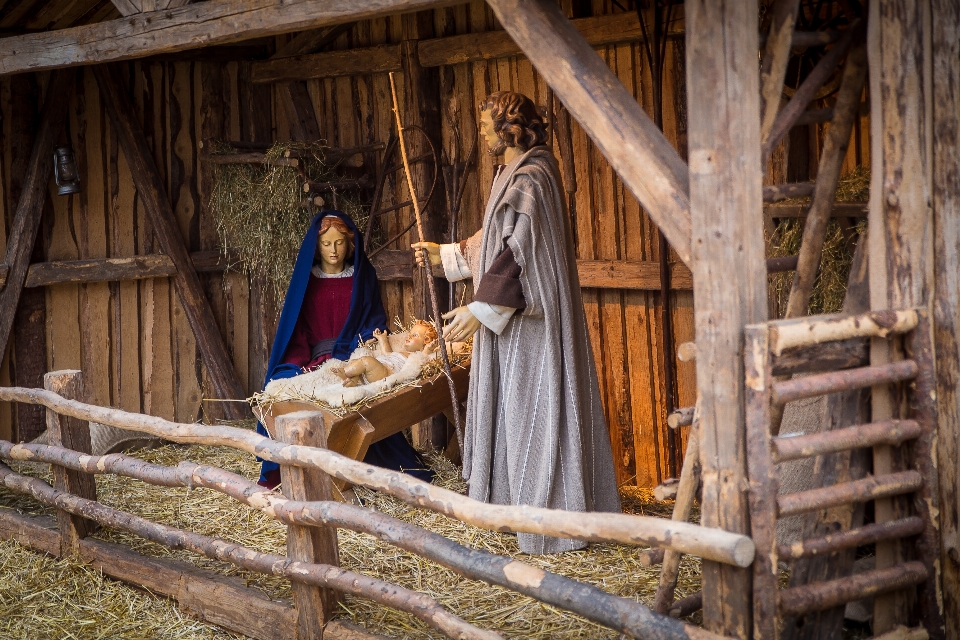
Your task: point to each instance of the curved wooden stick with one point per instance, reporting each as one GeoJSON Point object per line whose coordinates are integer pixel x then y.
{"type": "Point", "coordinates": [621, 614]}
{"type": "Point", "coordinates": [454, 401]}
{"type": "Point", "coordinates": [423, 607]}
{"type": "Point", "coordinates": [704, 542]}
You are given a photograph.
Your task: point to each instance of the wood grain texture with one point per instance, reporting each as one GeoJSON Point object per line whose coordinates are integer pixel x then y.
{"type": "Point", "coordinates": [316, 545]}
{"type": "Point", "coordinates": [26, 221]}
{"type": "Point", "coordinates": [946, 301]}
{"type": "Point", "coordinates": [70, 433]}
{"type": "Point", "coordinates": [726, 211]}
{"type": "Point", "coordinates": [900, 229]}
{"type": "Point", "coordinates": [153, 191]}
{"type": "Point", "coordinates": [189, 27]}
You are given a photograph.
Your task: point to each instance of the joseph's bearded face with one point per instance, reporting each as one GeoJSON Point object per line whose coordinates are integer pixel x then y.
{"type": "Point", "coordinates": [495, 145]}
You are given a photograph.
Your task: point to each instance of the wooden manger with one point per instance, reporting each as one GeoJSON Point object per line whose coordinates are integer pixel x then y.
{"type": "Point", "coordinates": [352, 433]}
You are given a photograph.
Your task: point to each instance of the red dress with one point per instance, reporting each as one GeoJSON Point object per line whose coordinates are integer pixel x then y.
{"type": "Point", "coordinates": [326, 305]}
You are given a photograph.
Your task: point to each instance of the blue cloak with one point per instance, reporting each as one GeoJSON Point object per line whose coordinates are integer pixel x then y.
{"type": "Point", "coordinates": [366, 314]}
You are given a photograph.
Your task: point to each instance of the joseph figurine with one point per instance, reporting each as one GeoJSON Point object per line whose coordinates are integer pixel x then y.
{"type": "Point", "coordinates": [535, 430]}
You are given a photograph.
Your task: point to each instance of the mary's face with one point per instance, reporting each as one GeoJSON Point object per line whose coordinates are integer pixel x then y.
{"type": "Point", "coordinates": [332, 246]}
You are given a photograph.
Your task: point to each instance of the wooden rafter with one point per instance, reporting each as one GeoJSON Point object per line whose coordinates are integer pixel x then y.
{"type": "Point", "coordinates": [189, 27]}
{"type": "Point", "coordinates": [156, 202]}
{"type": "Point", "coordinates": [637, 150]}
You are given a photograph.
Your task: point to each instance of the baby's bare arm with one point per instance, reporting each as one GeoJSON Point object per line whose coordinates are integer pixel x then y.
{"type": "Point", "coordinates": [383, 341]}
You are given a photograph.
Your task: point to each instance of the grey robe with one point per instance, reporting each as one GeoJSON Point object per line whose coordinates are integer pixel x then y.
{"type": "Point", "coordinates": [536, 433]}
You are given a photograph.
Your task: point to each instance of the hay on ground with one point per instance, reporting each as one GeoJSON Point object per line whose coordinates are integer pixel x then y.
{"type": "Point", "coordinates": [614, 568]}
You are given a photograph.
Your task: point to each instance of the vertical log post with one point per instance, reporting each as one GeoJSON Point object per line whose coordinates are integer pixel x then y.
{"type": "Point", "coordinates": [726, 212]}
{"type": "Point", "coordinates": [314, 604]}
{"type": "Point", "coordinates": [946, 306]}
{"type": "Point", "coordinates": [70, 433]}
{"type": "Point", "coordinates": [900, 229]}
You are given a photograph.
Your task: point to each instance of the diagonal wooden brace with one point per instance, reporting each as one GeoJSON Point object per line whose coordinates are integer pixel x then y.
{"type": "Point", "coordinates": [153, 194]}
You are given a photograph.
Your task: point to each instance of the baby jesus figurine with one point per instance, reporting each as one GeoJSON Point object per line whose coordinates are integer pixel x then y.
{"type": "Point", "coordinates": [421, 337]}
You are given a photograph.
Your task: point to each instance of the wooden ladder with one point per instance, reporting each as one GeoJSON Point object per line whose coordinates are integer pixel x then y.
{"type": "Point", "coordinates": [833, 350]}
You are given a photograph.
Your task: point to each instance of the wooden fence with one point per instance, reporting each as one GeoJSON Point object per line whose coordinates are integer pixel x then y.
{"type": "Point", "coordinates": [312, 518]}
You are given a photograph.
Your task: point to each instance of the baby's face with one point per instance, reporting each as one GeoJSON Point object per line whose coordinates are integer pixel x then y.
{"type": "Point", "coordinates": [415, 340]}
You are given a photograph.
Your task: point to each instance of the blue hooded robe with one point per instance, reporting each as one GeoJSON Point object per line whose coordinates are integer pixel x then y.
{"type": "Point", "coordinates": [366, 314]}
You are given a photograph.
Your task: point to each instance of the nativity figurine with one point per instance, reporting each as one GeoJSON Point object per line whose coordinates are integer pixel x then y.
{"type": "Point", "coordinates": [422, 337]}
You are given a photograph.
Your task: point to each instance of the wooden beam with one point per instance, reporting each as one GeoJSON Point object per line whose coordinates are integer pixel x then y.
{"type": "Point", "coordinates": [154, 265]}
{"type": "Point", "coordinates": [26, 220]}
{"type": "Point", "coordinates": [637, 150]}
{"type": "Point", "coordinates": [153, 195]}
{"type": "Point", "coordinates": [380, 59]}
{"type": "Point", "coordinates": [901, 252]}
{"type": "Point", "coordinates": [434, 52]}
{"type": "Point", "coordinates": [300, 112]}
{"type": "Point", "coordinates": [190, 27]}
{"type": "Point", "coordinates": [126, 7]}
{"type": "Point", "coordinates": [600, 274]}
{"type": "Point", "coordinates": [946, 304]}
{"type": "Point", "coordinates": [727, 213]}
{"type": "Point", "coordinates": [773, 69]}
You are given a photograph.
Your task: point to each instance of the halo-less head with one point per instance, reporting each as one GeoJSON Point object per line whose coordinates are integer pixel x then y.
{"type": "Point", "coordinates": [421, 334]}
{"type": "Point", "coordinates": [334, 244]}
{"type": "Point", "coordinates": [509, 119]}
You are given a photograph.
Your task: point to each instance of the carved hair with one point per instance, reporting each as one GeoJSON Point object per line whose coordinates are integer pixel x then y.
{"type": "Point", "coordinates": [428, 330]}
{"type": "Point", "coordinates": [333, 222]}
{"type": "Point", "coordinates": [516, 120]}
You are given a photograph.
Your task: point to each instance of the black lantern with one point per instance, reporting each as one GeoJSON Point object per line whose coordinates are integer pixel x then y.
{"type": "Point", "coordinates": [65, 171]}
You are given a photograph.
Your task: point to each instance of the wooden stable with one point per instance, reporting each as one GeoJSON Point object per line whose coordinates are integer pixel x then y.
{"type": "Point", "coordinates": [120, 282]}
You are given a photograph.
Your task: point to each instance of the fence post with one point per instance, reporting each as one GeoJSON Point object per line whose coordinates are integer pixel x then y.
{"type": "Point", "coordinates": [70, 433]}
{"type": "Point", "coordinates": [308, 544]}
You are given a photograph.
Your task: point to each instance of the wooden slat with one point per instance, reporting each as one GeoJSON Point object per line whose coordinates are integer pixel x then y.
{"type": "Point", "coordinates": [851, 538]}
{"type": "Point", "coordinates": [872, 488]}
{"type": "Point", "coordinates": [773, 68]}
{"type": "Point", "coordinates": [803, 332]}
{"type": "Point", "coordinates": [190, 27]}
{"type": "Point", "coordinates": [834, 381]}
{"type": "Point", "coordinates": [621, 274]}
{"type": "Point", "coordinates": [636, 149]}
{"type": "Point", "coordinates": [826, 356]}
{"type": "Point", "coordinates": [825, 595]}
{"type": "Point", "coordinates": [891, 432]}
{"type": "Point", "coordinates": [152, 191]}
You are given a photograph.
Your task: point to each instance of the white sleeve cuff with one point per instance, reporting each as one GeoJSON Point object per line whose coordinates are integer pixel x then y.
{"type": "Point", "coordinates": [455, 266]}
{"type": "Point", "coordinates": [493, 316]}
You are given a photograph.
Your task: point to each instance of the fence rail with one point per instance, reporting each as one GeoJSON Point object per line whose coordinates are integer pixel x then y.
{"type": "Point", "coordinates": [623, 614]}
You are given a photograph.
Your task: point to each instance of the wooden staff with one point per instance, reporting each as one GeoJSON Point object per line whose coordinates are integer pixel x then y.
{"type": "Point", "coordinates": [430, 283]}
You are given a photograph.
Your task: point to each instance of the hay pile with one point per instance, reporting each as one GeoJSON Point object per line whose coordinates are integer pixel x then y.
{"type": "Point", "coordinates": [830, 287]}
{"type": "Point", "coordinates": [260, 214]}
{"type": "Point", "coordinates": [614, 568]}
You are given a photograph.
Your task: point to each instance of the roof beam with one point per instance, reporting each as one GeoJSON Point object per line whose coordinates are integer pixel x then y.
{"type": "Point", "coordinates": [189, 27]}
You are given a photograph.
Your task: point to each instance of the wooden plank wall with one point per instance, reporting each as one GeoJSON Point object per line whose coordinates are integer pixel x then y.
{"type": "Point", "coordinates": [132, 339]}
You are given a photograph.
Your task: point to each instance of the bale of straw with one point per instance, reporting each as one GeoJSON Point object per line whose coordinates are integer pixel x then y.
{"type": "Point", "coordinates": [259, 213]}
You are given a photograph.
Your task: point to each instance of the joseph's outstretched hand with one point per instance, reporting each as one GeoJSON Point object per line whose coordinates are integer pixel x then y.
{"type": "Point", "coordinates": [462, 325]}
